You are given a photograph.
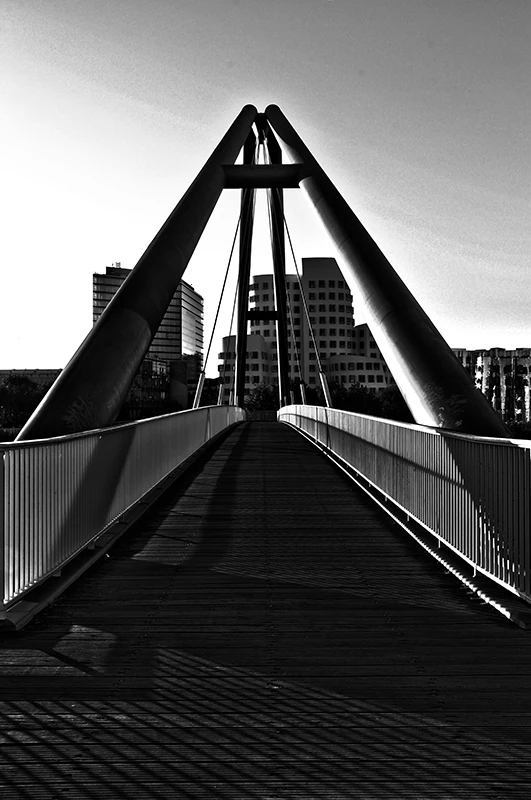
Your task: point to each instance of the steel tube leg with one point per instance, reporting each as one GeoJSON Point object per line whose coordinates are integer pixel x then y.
{"type": "Point", "coordinates": [435, 386]}
{"type": "Point", "coordinates": [92, 388]}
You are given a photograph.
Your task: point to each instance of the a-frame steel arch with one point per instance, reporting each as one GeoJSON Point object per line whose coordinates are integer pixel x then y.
{"type": "Point", "coordinates": [92, 388]}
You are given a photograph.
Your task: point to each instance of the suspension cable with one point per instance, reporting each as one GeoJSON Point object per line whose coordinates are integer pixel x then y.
{"type": "Point", "coordinates": [292, 331]}
{"type": "Point", "coordinates": [232, 381]}
{"type": "Point", "coordinates": [267, 160]}
{"type": "Point", "coordinates": [322, 376]}
{"type": "Point", "coordinates": [201, 381]}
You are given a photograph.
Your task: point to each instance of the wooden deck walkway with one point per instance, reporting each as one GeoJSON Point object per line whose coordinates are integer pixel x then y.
{"type": "Point", "coordinates": [264, 632]}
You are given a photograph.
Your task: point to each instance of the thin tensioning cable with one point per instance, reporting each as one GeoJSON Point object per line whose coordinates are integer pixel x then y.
{"type": "Point", "coordinates": [225, 359]}
{"type": "Point", "coordinates": [222, 290]}
{"type": "Point", "coordinates": [318, 357]}
{"type": "Point", "coordinates": [292, 331]}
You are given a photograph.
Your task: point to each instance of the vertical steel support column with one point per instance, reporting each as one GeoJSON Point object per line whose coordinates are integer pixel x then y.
{"type": "Point", "coordinates": [92, 388]}
{"type": "Point", "coordinates": [276, 204]}
{"type": "Point", "coordinates": [246, 238]}
{"type": "Point", "coordinates": [435, 386]}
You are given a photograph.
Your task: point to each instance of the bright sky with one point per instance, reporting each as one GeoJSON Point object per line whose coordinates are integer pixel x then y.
{"type": "Point", "coordinates": [417, 109]}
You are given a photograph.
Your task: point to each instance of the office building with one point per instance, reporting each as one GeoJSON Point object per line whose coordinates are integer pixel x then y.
{"type": "Point", "coordinates": [336, 340]}
{"type": "Point", "coordinates": [503, 377]}
{"type": "Point", "coordinates": [174, 360]}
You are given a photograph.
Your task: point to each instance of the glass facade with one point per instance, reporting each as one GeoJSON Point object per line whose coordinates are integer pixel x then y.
{"type": "Point", "coordinates": [179, 337]}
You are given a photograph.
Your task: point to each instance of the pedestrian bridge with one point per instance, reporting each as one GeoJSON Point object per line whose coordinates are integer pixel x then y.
{"type": "Point", "coordinates": [245, 618]}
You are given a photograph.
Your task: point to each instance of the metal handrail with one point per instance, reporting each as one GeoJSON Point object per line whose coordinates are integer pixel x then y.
{"type": "Point", "coordinates": [59, 495]}
{"type": "Point", "coordinates": [473, 493]}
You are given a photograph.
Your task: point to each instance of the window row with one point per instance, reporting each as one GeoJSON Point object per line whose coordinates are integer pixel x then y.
{"type": "Point", "coordinates": [322, 296]}
{"type": "Point", "coordinates": [331, 284]}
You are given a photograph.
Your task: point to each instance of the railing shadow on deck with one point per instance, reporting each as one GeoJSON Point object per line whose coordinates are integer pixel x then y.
{"type": "Point", "coordinates": [61, 494]}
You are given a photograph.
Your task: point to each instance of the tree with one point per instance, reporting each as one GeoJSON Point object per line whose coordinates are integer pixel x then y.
{"type": "Point", "coordinates": [19, 397]}
{"type": "Point", "coordinates": [393, 405]}
{"type": "Point", "coordinates": [263, 398]}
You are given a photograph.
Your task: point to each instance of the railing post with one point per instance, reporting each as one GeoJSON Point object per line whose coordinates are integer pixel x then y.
{"type": "Point", "coordinates": [2, 536]}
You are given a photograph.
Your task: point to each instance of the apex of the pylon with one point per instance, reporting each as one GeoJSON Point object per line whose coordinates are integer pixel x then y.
{"type": "Point", "coordinates": [249, 108]}
{"type": "Point", "coordinates": [272, 108]}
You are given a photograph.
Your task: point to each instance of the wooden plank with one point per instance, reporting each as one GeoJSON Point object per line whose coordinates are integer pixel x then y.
{"type": "Point", "coordinates": [265, 631]}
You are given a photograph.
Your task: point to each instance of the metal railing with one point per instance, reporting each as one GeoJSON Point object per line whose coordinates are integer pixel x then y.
{"type": "Point", "coordinates": [58, 495]}
{"type": "Point", "coordinates": [472, 493]}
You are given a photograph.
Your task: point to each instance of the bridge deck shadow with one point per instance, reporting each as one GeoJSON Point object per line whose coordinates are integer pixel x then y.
{"type": "Point", "coordinates": [266, 632]}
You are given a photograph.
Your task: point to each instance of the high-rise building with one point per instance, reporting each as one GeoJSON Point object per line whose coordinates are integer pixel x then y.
{"type": "Point", "coordinates": [503, 377]}
{"type": "Point", "coordinates": [338, 342]}
{"type": "Point", "coordinates": [176, 349]}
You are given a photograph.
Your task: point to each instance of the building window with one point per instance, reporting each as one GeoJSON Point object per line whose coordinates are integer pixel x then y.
{"type": "Point", "coordinates": [341, 309]}
{"type": "Point", "coordinates": [341, 296]}
{"type": "Point", "coordinates": [322, 295]}
{"type": "Point", "coordinates": [322, 331]}
{"type": "Point", "coordinates": [312, 356]}
{"type": "Point", "coordinates": [322, 284]}
{"type": "Point", "coordinates": [321, 309]}
{"type": "Point", "coordinates": [333, 344]}
{"type": "Point", "coordinates": [265, 286]}
{"type": "Point", "coordinates": [255, 379]}
{"type": "Point", "coordinates": [312, 368]}
{"type": "Point", "coordinates": [254, 367]}
{"type": "Point", "coordinates": [379, 379]}
{"type": "Point", "coordinates": [361, 378]}
{"type": "Point", "coordinates": [371, 378]}
{"type": "Point", "coordinates": [332, 284]}
{"type": "Point", "coordinates": [311, 284]}
{"type": "Point", "coordinates": [322, 344]}
{"type": "Point", "coordinates": [333, 332]}
{"type": "Point", "coordinates": [332, 307]}
{"type": "Point", "coordinates": [312, 309]}
{"type": "Point", "coordinates": [342, 344]}
{"type": "Point", "coordinates": [377, 366]}
{"type": "Point", "coordinates": [311, 296]}
{"type": "Point", "coordinates": [266, 333]}
{"type": "Point", "coordinates": [343, 379]}
{"type": "Point", "coordinates": [322, 320]}
{"type": "Point", "coordinates": [342, 332]}
{"type": "Point", "coordinates": [254, 354]}
{"type": "Point", "coordinates": [368, 366]}
{"type": "Point", "coordinates": [331, 295]}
